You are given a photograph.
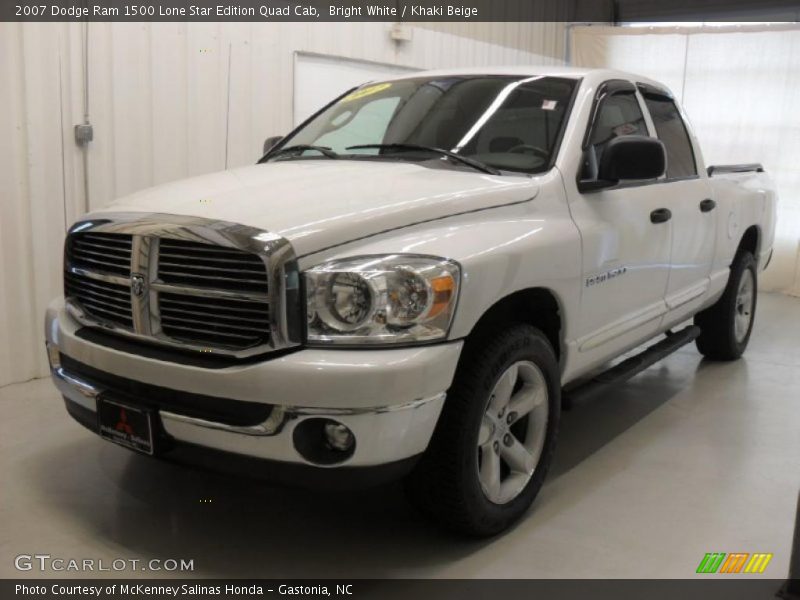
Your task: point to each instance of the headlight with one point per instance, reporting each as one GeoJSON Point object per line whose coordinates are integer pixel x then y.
{"type": "Point", "coordinates": [381, 299]}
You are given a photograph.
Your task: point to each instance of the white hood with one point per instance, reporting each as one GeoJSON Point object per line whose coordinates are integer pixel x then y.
{"type": "Point", "coordinates": [321, 203]}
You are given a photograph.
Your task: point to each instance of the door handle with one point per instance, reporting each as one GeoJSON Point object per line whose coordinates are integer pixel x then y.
{"type": "Point", "coordinates": [707, 205]}
{"type": "Point", "coordinates": [660, 215]}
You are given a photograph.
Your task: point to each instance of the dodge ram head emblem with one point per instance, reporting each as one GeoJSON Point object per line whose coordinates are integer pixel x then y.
{"type": "Point", "coordinates": [137, 285]}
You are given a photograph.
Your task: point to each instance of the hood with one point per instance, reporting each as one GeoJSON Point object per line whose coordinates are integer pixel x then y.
{"type": "Point", "coordinates": [317, 204]}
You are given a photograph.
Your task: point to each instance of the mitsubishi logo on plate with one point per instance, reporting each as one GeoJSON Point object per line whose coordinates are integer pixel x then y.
{"type": "Point", "coordinates": [137, 285]}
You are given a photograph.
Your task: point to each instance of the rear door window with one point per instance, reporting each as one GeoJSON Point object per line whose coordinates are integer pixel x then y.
{"type": "Point", "coordinates": [672, 131]}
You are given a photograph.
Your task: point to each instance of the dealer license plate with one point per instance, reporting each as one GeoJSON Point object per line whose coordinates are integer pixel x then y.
{"type": "Point", "coordinates": [125, 425]}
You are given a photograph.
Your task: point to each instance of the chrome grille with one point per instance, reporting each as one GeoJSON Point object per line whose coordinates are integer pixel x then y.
{"type": "Point", "coordinates": [185, 282]}
{"type": "Point", "coordinates": [203, 265]}
{"type": "Point", "coordinates": [215, 321]}
{"type": "Point", "coordinates": [239, 282]}
{"type": "Point", "coordinates": [102, 252]}
{"type": "Point", "coordinates": [108, 301]}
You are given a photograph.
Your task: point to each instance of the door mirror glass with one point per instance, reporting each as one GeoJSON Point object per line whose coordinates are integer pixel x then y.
{"type": "Point", "coordinates": [271, 142]}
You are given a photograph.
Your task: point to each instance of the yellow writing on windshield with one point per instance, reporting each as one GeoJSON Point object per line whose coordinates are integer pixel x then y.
{"type": "Point", "coordinates": [367, 91]}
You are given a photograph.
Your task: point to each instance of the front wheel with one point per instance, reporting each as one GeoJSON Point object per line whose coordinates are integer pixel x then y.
{"type": "Point", "coordinates": [726, 326]}
{"type": "Point", "coordinates": [495, 438]}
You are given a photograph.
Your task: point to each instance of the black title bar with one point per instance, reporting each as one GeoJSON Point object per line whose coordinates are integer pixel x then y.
{"type": "Point", "coordinates": [608, 11]}
{"type": "Point", "coordinates": [709, 588]}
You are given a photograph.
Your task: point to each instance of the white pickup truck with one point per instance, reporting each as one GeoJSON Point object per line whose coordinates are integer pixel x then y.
{"type": "Point", "coordinates": [407, 282]}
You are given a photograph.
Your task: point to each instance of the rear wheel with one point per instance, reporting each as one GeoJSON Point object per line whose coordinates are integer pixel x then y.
{"type": "Point", "coordinates": [726, 326]}
{"type": "Point", "coordinates": [495, 438]}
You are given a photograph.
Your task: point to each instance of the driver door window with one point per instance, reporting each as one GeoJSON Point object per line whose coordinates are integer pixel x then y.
{"type": "Point", "coordinates": [619, 115]}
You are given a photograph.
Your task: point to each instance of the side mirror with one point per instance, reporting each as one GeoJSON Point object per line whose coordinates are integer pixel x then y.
{"type": "Point", "coordinates": [632, 157]}
{"type": "Point", "coordinates": [271, 142]}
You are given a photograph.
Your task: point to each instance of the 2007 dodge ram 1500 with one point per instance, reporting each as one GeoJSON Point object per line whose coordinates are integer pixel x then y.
{"type": "Point", "coordinates": [406, 283]}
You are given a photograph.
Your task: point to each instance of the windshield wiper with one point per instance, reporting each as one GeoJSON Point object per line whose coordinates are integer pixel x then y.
{"type": "Point", "coordinates": [324, 150]}
{"type": "Point", "coordinates": [475, 164]}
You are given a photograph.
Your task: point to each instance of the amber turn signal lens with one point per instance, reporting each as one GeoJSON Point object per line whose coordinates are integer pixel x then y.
{"type": "Point", "coordinates": [443, 289]}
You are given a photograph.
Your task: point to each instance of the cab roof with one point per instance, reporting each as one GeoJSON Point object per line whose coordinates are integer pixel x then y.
{"type": "Point", "coordinates": [592, 77]}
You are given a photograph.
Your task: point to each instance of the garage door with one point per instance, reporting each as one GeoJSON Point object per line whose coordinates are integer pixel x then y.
{"type": "Point", "coordinates": [319, 79]}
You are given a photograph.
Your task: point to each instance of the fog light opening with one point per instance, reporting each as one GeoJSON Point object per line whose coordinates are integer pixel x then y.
{"type": "Point", "coordinates": [324, 441]}
{"type": "Point", "coordinates": [338, 437]}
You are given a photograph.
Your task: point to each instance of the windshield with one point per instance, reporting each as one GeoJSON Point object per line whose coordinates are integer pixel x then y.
{"type": "Point", "coordinates": [509, 123]}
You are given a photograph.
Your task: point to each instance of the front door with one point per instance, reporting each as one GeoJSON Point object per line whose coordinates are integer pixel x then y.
{"type": "Point", "coordinates": [626, 233]}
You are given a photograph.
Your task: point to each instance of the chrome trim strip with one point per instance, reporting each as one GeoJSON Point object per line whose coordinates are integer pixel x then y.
{"type": "Point", "coordinates": [77, 312]}
{"type": "Point", "coordinates": [95, 295]}
{"type": "Point", "coordinates": [272, 426]}
{"type": "Point", "coordinates": [281, 415]}
{"type": "Point", "coordinates": [208, 293]}
{"type": "Point", "coordinates": [76, 389]}
{"type": "Point", "coordinates": [140, 265]}
{"type": "Point", "coordinates": [84, 392]}
{"type": "Point", "coordinates": [147, 229]}
{"type": "Point", "coordinates": [175, 268]}
{"type": "Point", "coordinates": [118, 279]}
{"type": "Point", "coordinates": [377, 410]}
{"type": "Point", "coordinates": [180, 326]}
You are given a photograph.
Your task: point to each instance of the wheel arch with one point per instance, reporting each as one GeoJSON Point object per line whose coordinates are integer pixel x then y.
{"type": "Point", "coordinates": [536, 306]}
{"type": "Point", "coordinates": [750, 241]}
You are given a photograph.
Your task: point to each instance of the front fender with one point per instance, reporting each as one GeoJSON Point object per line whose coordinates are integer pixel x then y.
{"type": "Point", "coordinates": [501, 251]}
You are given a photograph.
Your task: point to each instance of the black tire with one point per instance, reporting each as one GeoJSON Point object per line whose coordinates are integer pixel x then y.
{"type": "Point", "coordinates": [445, 485]}
{"type": "Point", "coordinates": [718, 339]}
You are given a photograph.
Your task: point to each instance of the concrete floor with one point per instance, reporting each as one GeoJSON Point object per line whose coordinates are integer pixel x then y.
{"type": "Point", "coordinates": [689, 457]}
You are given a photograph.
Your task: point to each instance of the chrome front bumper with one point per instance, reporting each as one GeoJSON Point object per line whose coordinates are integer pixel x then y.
{"type": "Point", "coordinates": [385, 432]}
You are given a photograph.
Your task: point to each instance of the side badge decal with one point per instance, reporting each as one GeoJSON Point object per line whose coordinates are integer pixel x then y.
{"type": "Point", "coordinates": [593, 280]}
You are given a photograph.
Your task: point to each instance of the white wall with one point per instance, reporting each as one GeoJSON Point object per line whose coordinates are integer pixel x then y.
{"type": "Point", "coordinates": [167, 100]}
{"type": "Point", "coordinates": [539, 34]}
{"type": "Point", "coordinates": [318, 78]}
{"type": "Point", "coordinates": [38, 187]}
{"type": "Point", "coordinates": [740, 88]}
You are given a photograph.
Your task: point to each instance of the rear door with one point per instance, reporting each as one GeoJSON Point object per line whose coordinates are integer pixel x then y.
{"type": "Point", "coordinates": [690, 200]}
